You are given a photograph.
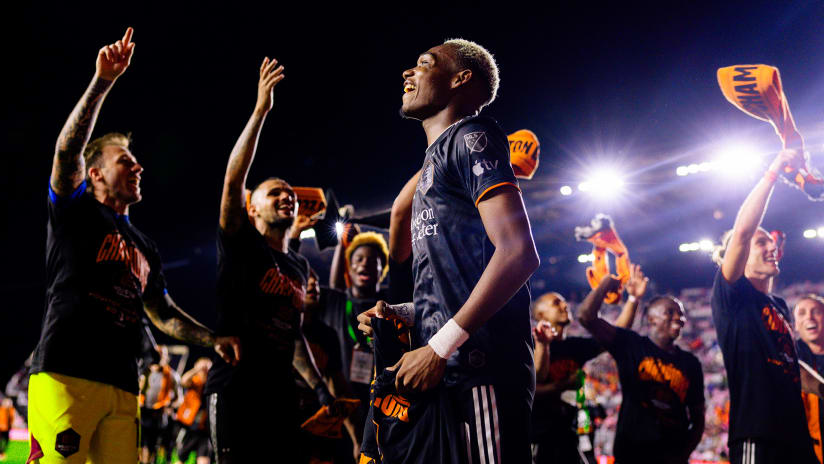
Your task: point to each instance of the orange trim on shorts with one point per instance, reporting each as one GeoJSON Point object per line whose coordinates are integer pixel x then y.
{"type": "Point", "coordinates": [481, 196]}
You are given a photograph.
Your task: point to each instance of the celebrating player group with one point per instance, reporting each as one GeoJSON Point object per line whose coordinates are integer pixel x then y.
{"type": "Point", "coordinates": [454, 361]}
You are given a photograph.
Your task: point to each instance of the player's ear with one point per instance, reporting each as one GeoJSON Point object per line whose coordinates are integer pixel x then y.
{"type": "Point", "coordinates": [461, 78]}
{"type": "Point", "coordinates": [95, 175]}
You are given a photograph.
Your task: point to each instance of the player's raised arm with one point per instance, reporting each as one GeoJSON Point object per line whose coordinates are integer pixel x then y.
{"type": "Point", "coordinates": [750, 216]}
{"type": "Point", "coordinates": [601, 330]}
{"type": "Point", "coordinates": [636, 288]}
{"type": "Point", "coordinates": [233, 201]}
{"type": "Point", "coordinates": [68, 167]}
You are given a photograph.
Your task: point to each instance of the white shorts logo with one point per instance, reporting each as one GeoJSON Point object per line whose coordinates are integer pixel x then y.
{"type": "Point", "coordinates": [475, 141]}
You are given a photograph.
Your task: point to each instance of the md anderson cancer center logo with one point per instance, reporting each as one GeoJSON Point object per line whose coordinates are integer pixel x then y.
{"type": "Point", "coordinates": [424, 224]}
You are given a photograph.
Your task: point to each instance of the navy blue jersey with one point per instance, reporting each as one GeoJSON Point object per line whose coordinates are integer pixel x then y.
{"type": "Point", "coordinates": [99, 271]}
{"type": "Point", "coordinates": [657, 388]}
{"type": "Point", "coordinates": [451, 250]}
{"type": "Point", "coordinates": [755, 335]}
{"type": "Point", "coordinates": [260, 294]}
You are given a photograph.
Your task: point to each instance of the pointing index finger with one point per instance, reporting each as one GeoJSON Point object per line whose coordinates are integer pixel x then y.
{"type": "Point", "coordinates": [127, 37]}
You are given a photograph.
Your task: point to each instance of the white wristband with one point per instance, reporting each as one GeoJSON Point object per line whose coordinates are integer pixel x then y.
{"type": "Point", "coordinates": [632, 299]}
{"type": "Point", "coordinates": [448, 339]}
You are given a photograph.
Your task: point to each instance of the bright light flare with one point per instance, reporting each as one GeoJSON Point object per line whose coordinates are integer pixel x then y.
{"type": "Point", "coordinates": [566, 190]}
{"type": "Point", "coordinates": [308, 233]}
{"type": "Point", "coordinates": [586, 258]}
{"type": "Point", "coordinates": [706, 245]}
{"type": "Point", "coordinates": [736, 160]}
{"type": "Point", "coordinates": [603, 183]}
{"type": "Point", "coordinates": [339, 229]}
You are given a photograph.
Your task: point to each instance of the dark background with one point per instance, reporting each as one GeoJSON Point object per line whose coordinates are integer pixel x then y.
{"type": "Point", "coordinates": [631, 85]}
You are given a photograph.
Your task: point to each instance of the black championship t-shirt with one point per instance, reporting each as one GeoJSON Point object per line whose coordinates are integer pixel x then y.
{"type": "Point", "coordinates": [657, 388]}
{"type": "Point", "coordinates": [813, 404]}
{"type": "Point", "coordinates": [99, 271]}
{"type": "Point", "coordinates": [451, 249]}
{"type": "Point", "coordinates": [259, 298]}
{"type": "Point", "coordinates": [754, 332]}
{"type": "Point", "coordinates": [325, 350]}
{"type": "Point", "coordinates": [551, 416]}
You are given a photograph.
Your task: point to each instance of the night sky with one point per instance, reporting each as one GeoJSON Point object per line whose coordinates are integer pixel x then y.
{"type": "Point", "coordinates": [631, 86]}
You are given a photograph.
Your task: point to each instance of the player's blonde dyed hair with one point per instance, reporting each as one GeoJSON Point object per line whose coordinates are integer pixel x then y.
{"type": "Point", "coordinates": [372, 239]}
{"type": "Point", "coordinates": [478, 59]}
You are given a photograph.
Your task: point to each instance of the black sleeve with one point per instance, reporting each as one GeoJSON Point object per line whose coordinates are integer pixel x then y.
{"type": "Point", "coordinates": [588, 349]}
{"type": "Point", "coordinates": [480, 157]}
{"type": "Point", "coordinates": [727, 296]}
{"type": "Point", "coordinates": [623, 346]}
{"type": "Point", "coordinates": [294, 244]}
{"type": "Point", "coordinates": [156, 285]}
{"type": "Point", "coordinates": [695, 395]}
{"type": "Point", "coordinates": [230, 276]}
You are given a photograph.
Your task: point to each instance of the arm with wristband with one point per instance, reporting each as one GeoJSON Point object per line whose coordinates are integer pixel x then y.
{"type": "Point", "coordinates": [751, 214]}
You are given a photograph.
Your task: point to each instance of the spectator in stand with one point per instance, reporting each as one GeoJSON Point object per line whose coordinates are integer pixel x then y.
{"type": "Point", "coordinates": [159, 390]}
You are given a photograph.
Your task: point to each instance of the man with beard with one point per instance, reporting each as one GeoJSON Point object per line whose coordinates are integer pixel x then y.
{"type": "Point", "coordinates": [662, 386]}
{"type": "Point", "coordinates": [809, 325]}
{"type": "Point", "coordinates": [102, 274]}
{"type": "Point", "coordinates": [554, 429]}
{"type": "Point", "coordinates": [472, 254]}
{"type": "Point", "coordinates": [260, 289]}
{"type": "Point", "coordinates": [767, 422]}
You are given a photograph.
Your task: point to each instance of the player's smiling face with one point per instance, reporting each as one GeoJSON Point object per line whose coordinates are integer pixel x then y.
{"type": "Point", "coordinates": [666, 320]}
{"type": "Point", "coordinates": [809, 321]}
{"type": "Point", "coordinates": [275, 203]}
{"type": "Point", "coordinates": [762, 260]}
{"type": "Point", "coordinates": [365, 267]}
{"type": "Point", "coordinates": [120, 174]}
{"type": "Point", "coordinates": [426, 87]}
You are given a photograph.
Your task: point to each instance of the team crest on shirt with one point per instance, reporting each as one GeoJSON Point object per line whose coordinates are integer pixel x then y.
{"type": "Point", "coordinates": [475, 141]}
{"type": "Point", "coordinates": [426, 178]}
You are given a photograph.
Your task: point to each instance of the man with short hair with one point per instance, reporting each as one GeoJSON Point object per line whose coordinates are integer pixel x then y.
{"type": "Point", "coordinates": [261, 285]}
{"type": "Point", "coordinates": [809, 325]}
{"type": "Point", "coordinates": [102, 275]}
{"type": "Point", "coordinates": [473, 253]}
{"type": "Point", "coordinates": [767, 422]}
{"type": "Point", "coordinates": [662, 386]}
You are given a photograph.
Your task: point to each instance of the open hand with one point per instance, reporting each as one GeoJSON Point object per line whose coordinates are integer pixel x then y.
{"type": "Point", "coordinates": [637, 284]}
{"type": "Point", "coordinates": [302, 222]}
{"type": "Point", "coordinates": [113, 59]}
{"type": "Point", "coordinates": [270, 75]}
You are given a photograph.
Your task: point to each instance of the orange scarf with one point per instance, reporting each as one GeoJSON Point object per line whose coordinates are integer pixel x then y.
{"type": "Point", "coordinates": [756, 90]}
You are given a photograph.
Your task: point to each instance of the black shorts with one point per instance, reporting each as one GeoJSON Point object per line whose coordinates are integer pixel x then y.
{"type": "Point", "coordinates": [152, 425]}
{"type": "Point", "coordinates": [495, 423]}
{"type": "Point", "coordinates": [248, 423]}
{"type": "Point", "coordinates": [193, 440]}
{"type": "Point", "coordinates": [764, 452]}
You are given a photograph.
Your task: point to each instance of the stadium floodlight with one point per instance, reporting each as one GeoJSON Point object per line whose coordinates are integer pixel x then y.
{"type": "Point", "coordinates": [684, 247]}
{"type": "Point", "coordinates": [339, 229]}
{"type": "Point", "coordinates": [566, 190]}
{"type": "Point", "coordinates": [603, 183]}
{"type": "Point", "coordinates": [810, 233]}
{"type": "Point", "coordinates": [820, 232]}
{"type": "Point", "coordinates": [706, 245]}
{"type": "Point", "coordinates": [737, 159]}
{"type": "Point", "coordinates": [682, 171]}
{"type": "Point", "coordinates": [586, 258]}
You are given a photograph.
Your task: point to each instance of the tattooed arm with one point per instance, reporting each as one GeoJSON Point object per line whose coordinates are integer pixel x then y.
{"type": "Point", "coordinates": [304, 363]}
{"type": "Point", "coordinates": [173, 321]}
{"type": "Point", "coordinates": [68, 167]}
{"type": "Point", "coordinates": [232, 202]}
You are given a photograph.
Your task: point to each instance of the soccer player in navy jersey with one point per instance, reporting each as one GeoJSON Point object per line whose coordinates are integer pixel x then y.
{"type": "Point", "coordinates": [102, 275]}
{"type": "Point", "coordinates": [767, 422]}
{"type": "Point", "coordinates": [472, 252]}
